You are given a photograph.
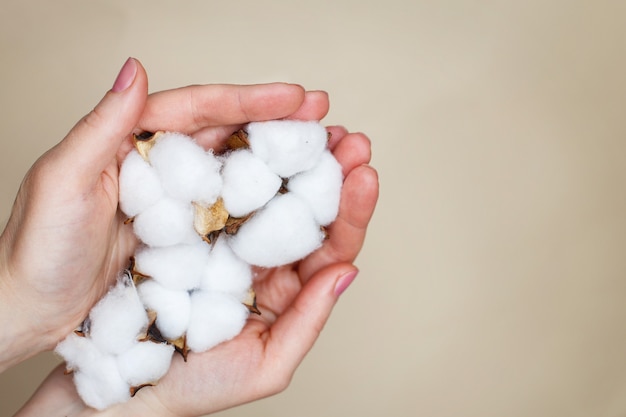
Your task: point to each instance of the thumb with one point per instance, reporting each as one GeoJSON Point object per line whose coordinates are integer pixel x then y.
{"type": "Point", "coordinates": [95, 140]}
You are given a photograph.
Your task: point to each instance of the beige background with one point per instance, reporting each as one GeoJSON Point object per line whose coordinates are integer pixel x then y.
{"type": "Point", "coordinates": [493, 280]}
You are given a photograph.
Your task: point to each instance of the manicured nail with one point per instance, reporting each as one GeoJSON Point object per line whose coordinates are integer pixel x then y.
{"type": "Point", "coordinates": [126, 76]}
{"type": "Point", "coordinates": [344, 282]}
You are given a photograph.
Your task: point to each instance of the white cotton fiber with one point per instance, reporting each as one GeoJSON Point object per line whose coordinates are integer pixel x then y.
{"type": "Point", "coordinates": [320, 188]}
{"type": "Point", "coordinates": [187, 171]}
{"type": "Point", "coordinates": [78, 352]}
{"type": "Point", "coordinates": [248, 183]}
{"type": "Point", "coordinates": [215, 318]}
{"type": "Point", "coordinates": [145, 362]}
{"type": "Point", "coordinates": [178, 267]}
{"type": "Point", "coordinates": [139, 184]}
{"type": "Point", "coordinates": [287, 146]}
{"type": "Point", "coordinates": [102, 386]}
{"type": "Point", "coordinates": [225, 272]}
{"type": "Point", "coordinates": [118, 318]}
{"type": "Point", "coordinates": [167, 223]}
{"type": "Point", "coordinates": [284, 231]}
{"type": "Point", "coordinates": [172, 307]}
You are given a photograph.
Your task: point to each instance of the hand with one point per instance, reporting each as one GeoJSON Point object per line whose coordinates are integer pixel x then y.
{"type": "Point", "coordinates": [65, 242]}
{"type": "Point", "coordinates": [295, 300]}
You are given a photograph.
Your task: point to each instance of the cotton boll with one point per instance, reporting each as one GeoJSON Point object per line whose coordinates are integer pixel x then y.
{"type": "Point", "coordinates": [102, 385]}
{"type": "Point", "coordinates": [118, 318]}
{"type": "Point", "coordinates": [287, 146]}
{"type": "Point", "coordinates": [225, 272]}
{"type": "Point", "coordinates": [78, 352]}
{"type": "Point", "coordinates": [140, 186]}
{"type": "Point", "coordinates": [145, 362]}
{"type": "Point", "coordinates": [248, 183]}
{"type": "Point", "coordinates": [284, 231]}
{"type": "Point", "coordinates": [188, 172]}
{"type": "Point", "coordinates": [320, 188]}
{"type": "Point", "coordinates": [215, 318]}
{"type": "Point", "coordinates": [172, 307]}
{"type": "Point", "coordinates": [167, 223]}
{"type": "Point", "coordinates": [177, 267]}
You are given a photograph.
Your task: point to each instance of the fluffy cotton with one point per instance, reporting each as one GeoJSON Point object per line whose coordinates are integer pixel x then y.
{"type": "Point", "coordinates": [320, 188]}
{"type": "Point", "coordinates": [215, 318]}
{"type": "Point", "coordinates": [144, 363]}
{"type": "Point", "coordinates": [102, 386]}
{"type": "Point", "coordinates": [283, 232]}
{"type": "Point", "coordinates": [172, 307]}
{"type": "Point", "coordinates": [197, 289]}
{"type": "Point", "coordinates": [287, 146]}
{"type": "Point", "coordinates": [79, 352]}
{"type": "Point", "coordinates": [169, 222]}
{"type": "Point", "coordinates": [140, 186]}
{"type": "Point", "coordinates": [118, 318]}
{"type": "Point", "coordinates": [177, 267]}
{"type": "Point", "coordinates": [188, 172]}
{"type": "Point", "coordinates": [248, 183]}
{"type": "Point", "coordinates": [226, 272]}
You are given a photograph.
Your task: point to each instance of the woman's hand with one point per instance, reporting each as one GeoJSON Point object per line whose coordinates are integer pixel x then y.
{"type": "Point", "coordinates": [65, 241]}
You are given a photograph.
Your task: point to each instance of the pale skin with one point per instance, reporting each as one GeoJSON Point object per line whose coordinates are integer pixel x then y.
{"type": "Point", "coordinates": [66, 241]}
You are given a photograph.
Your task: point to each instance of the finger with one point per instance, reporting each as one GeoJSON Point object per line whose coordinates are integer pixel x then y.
{"type": "Point", "coordinates": [336, 134]}
{"type": "Point", "coordinates": [314, 107]}
{"type": "Point", "coordinates": [190, 109]}
{"type": "Point", "coordinates": [352, 150]}
{"type": "Point", "coordinates": [347, 233]}
{"type": "Point", "coordinates": [93, 143]}
{"type": "Point", "coordinates": [296, 330]}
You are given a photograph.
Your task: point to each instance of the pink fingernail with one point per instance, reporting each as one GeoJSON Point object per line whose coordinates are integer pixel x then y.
{"type": "Point", "coordinates": [126, 76]}
{"type": "Point", "coordinates": [344, 282]}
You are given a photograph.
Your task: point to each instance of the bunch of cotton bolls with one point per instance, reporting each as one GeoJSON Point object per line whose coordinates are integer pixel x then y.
{"type": "Point", "coordinates": [106, 356]}
{"type": "Point", "coordinates": [206, 222]}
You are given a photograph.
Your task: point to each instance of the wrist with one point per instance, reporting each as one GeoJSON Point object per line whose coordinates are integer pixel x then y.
{"type": "Point", "coordinates": [19, 339]}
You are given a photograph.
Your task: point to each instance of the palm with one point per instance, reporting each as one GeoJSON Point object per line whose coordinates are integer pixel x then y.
{"type": "Point", "coordinates": [84, 243]}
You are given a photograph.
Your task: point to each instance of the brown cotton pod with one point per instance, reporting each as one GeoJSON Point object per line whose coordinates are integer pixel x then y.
{"type": "Point", "coordinates": [208, 220]}
{"type": "Point", "coordinates": [83, 329]}
{"type": "Point", "coordinates": [137, 276]}
{"type": "Point", "coordinates": [234, 223]}
{"type": "Point", "coordinates": [238, 140]}
{"type": "Point", "coordinates": [180, 345]}
{"type": "Point", "coordinates": [144, 142]}
{"type": "Point", "coordinates": [134, 390]}
{"type": "Point", "coordinates": [250, 302]}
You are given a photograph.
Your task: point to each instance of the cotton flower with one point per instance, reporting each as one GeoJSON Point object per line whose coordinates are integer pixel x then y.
{"type": "Point", "coordinates": [215, 318]}
{"type": "Point", "coordinates": [287, 146]}
{"type": "Point", "coordinates": [102, 385]}
{"type": "Point", "coordinates": [144, 363]}
{"type": "Point", "coordinates": [169, 222]}
{"type": "Point", "coordinates": [248, 183]}
{"type": "Point", "coordinates": [140, 185]}
{"type": "Point", "coordinates": [204, 223]}
{"type": "Point", "coordinates": [118, 318]}
{"type": "Point", "coordinates": [187, 171]}
{"type": "Point", "coordinates": [320, 188]}
{"type": "Point", "coordinates": [176, 267]}
{"type": "Point", "coordinates": [283, 232]}
{"type": "Point", "coordinates": [172, 307]}
{"type": "Point", "coordinates": [225, 272]}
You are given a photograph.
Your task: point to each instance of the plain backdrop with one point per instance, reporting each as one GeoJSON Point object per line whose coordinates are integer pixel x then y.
{"type": "Point", "coordinates": [493, 279]}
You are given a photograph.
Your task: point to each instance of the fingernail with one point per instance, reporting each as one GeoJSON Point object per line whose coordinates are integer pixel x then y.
{"type": "Point", "coordinates": [126, 76]}
{"type": "Point", "coordinates": [344, 282]}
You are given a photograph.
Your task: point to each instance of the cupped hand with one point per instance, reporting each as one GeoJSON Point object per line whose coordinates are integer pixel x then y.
{"type": "Point", "coordinates": [65, 241]}
{"type": "Point", "coordinates": [295, 300]}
